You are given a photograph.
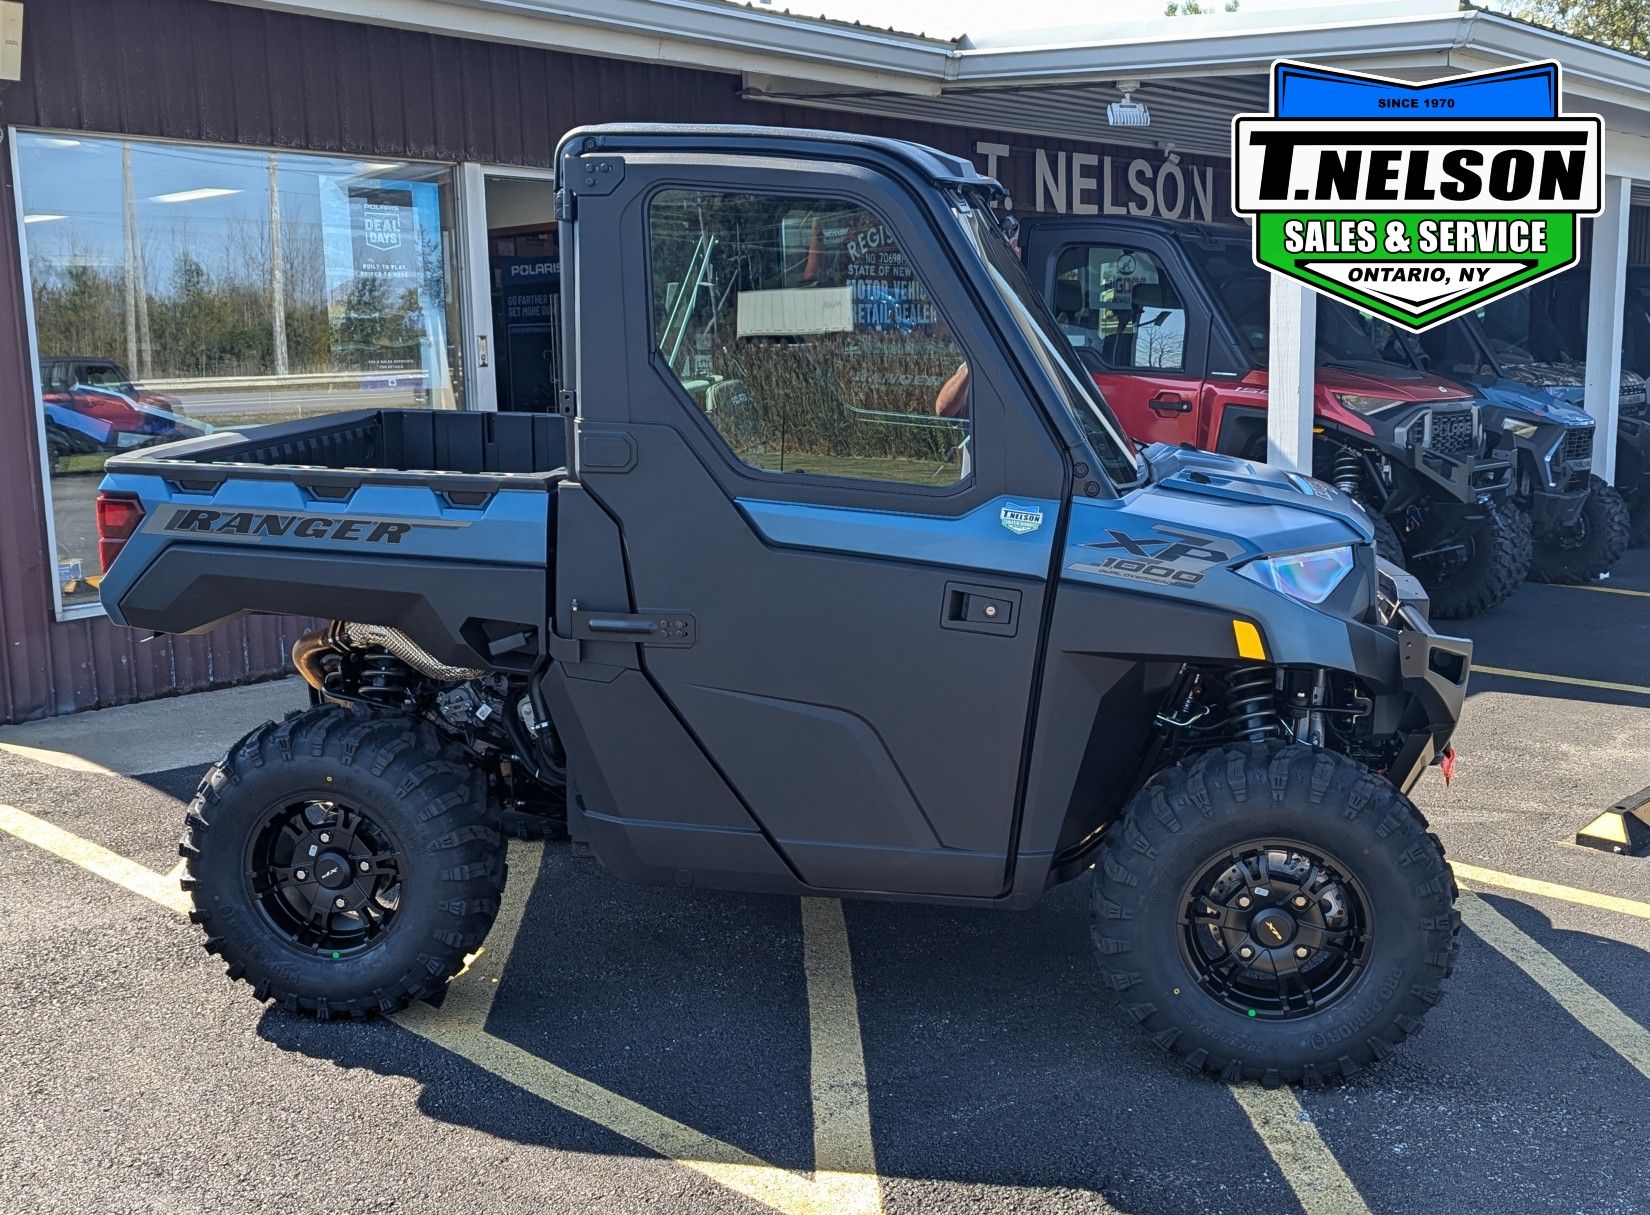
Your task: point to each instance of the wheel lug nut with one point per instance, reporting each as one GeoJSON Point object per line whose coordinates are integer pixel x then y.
{"type": "Point", "coordinates": [365, 865]}
{"type": "Point", "coordinates": [1301, 900]}
{"type": "Point", "coordinates": [1243, 900]}
{"type": "Point", "coordinates": [1301, 951]}
{"type": "Point", "coordinates": [1246, 953]}
{"type": "Point", "coordinates": [339, 903]}
{"type": "Point", "coordinates": [325, 838]}
{"type": "Point", "coordinates": [300, 875]}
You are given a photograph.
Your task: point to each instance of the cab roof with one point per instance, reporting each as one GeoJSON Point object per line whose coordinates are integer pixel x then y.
{"type": "Point", "coordinates": [936, 166]}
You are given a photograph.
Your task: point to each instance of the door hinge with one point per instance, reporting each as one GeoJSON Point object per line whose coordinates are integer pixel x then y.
{"type": "Point", "coordinates": [567, 400]}
{"type": "Point", "coordinates": [565, 205]}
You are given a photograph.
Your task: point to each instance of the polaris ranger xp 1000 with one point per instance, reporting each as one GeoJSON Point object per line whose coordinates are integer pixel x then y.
{"type": "Point", "coordinates": [850, 585]}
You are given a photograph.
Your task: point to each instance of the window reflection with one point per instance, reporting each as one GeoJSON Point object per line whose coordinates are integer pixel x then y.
{"type": "Point", "coordinates": [181, 288]}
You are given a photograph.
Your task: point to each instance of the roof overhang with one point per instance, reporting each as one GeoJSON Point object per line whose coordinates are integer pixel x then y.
{"type": "Point", "coordinates": [712, 34]}
{"type": "Point", "coordinates": [1195, 72]}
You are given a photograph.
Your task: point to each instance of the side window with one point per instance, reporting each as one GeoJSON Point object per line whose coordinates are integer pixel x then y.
{"type": "Point", "coordinates": [803, 332]}
{"type": "Point", "coordinates": [1119, 302]}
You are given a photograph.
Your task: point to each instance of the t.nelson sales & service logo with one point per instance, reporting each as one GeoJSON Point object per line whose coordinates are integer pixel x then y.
{"type": "Point", "coordinates": [1416, 201]}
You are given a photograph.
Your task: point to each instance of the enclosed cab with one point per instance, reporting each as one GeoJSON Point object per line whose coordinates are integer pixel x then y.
{"type": "Point", "coordinates": [852, 585]}
{"type": "Point", "coordinates": [1173, 321]}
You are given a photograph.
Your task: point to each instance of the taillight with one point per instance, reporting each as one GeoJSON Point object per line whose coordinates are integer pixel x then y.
{"type": "Point", "coordinates": [118, 516]}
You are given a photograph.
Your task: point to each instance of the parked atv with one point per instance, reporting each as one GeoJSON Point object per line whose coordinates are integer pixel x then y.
{"type": "Point", "coordinates": [1539, 336]}
{"type": "Point", "coordinates": [1172, 320]}
{"type": "Point", "coordinates": [798, 655]}
{"type": "Point", "coordinates": [1578, 522]}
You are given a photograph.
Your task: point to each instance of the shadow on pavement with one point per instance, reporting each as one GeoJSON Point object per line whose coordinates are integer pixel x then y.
{"type": "Point", "coordinates": [996, 1058]}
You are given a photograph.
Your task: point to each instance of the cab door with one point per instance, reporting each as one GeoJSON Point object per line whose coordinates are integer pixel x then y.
{"type": "Point", "coordinates": [836, 508]}
{"type": "Point", "coordinates": [1115, 295]}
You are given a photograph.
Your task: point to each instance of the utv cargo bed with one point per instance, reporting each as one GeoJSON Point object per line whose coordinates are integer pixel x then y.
{"type": "Point", "coordinates": [408, 518]}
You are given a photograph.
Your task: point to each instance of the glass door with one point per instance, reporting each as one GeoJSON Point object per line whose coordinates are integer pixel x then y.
{"type": "Point", "coordinates": [513, 276]}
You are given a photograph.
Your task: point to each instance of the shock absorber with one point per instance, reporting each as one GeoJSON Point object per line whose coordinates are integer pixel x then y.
{"type": "Point", "coordinates": [1251, 710]}
{"type": "Point", "coordinates": [1348, 472]}
{"type": "Point", "coordinates": [383, 678]}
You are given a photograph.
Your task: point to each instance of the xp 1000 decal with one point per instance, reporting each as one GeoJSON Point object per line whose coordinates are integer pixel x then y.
{"type": "Point", "coordinates": [1416, 201]}
{"type": "Point", "coordinates": [1172, 558]}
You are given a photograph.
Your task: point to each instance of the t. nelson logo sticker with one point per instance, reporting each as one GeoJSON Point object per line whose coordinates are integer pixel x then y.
{"type": "Point", "coordinates": [1021, 519]}
{"type": "Point", "coordinates": [1416, 201]}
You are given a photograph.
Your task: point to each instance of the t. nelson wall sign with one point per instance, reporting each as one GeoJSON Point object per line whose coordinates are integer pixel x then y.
{"type": "Point", "coordinates": [1094, 183]}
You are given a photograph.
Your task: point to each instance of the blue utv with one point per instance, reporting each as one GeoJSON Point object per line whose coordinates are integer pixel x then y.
{"type": "Point", "coordinates": [792, 599]}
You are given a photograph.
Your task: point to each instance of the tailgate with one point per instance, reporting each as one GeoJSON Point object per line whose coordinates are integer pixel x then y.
{"type": "Point", "coordinates": [457, 561]}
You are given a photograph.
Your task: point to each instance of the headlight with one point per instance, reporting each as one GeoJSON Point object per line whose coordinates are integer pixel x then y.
{"type": "Point", "coordinates": [1523, 430]}
{"type": "Point", "coordinates": [1310, 577]}
{"type": "Point", "coordinates": [1362, 404]}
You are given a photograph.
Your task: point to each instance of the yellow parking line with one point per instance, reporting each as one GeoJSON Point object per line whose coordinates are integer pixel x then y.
{"type": "Point", "coordinates": [1321, 1186]}
{"type": "Point", "coordinates": [1607, 590]}
{"type": "Point", "coordinates": [459, 1026]}
{"type": "Point", "coordinates": [1574, 994]}
{"type": "Point", "coordinates": [845, 1161]}
{"type": "Point", "coordinates": [1539, 677]}
{"type": "Point", "coordinates": [1551, 890]}
{"type": "Point", "coordinates": [839, 1188]}
{"type": "Point", "coordinates": [111, 866]}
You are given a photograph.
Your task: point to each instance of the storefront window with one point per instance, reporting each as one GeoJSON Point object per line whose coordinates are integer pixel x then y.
{"type": "Point", "coordinates": [182, 288]}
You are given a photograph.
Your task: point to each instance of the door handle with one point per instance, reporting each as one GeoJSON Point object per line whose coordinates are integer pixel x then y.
{"type": "Point", "coordinates": [980, 609]}
{"type": "Point", "coordinates": [678, 629]}
{"type": "Point", "coordinates": [1169, 402]}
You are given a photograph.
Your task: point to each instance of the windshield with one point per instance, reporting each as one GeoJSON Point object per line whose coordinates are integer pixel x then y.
{"type": "Point", "coordinates": [1078, 391]}
{"type": "Point", "coordinates": [1520, 331]}
{"type": "Point", "coordinates": [1244, 291]}
{"type": "Point", "coordinates": [104, 375]}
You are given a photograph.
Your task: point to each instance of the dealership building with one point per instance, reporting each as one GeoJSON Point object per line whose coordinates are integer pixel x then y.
{"type": "Point", "coordinates": [219, 213]}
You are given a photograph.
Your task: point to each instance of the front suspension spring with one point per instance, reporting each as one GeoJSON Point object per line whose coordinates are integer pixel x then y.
{"type": "Point", "coordinates": [1251, 710]}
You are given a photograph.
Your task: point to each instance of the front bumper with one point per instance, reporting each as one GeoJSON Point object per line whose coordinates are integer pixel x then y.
{"type": "Point", "coordinates": [1464, 478]}
{"type": "Point", "coordinates": [1430, 687]}
{"type": "Point", "coordinates": [1554, 511]}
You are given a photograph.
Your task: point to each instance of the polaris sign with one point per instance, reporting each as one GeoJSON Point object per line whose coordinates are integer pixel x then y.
{"type": "Point", "coordinates": [1416, 202]}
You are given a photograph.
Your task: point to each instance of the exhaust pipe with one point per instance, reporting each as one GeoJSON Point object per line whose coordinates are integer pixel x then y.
{"type": "Point", "coordinates": [341, 636]}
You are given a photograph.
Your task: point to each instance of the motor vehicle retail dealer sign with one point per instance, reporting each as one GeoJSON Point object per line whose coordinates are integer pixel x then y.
{"type": "Point", "coordinates": [1416, 201]}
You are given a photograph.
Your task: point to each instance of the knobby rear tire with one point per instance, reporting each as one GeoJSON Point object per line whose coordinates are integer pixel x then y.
{"type": "Point", "coordinates": [421, 795]}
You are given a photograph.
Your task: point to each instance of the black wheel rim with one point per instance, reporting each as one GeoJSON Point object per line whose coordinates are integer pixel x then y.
{"type": "Point", "coordinates": [1275, 930]}
{"type": "Point", "coordinates": [325, 876]}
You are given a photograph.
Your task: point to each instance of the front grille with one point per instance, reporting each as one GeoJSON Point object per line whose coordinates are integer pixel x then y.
{"type": "Point", "coordinates": [1577, 448]}
{"type": "Point", "coordinates": [1454, 432]}
{"type": "Point", "coordinates": [1632, 403]}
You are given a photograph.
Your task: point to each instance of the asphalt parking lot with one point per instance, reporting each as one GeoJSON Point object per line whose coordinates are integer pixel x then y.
{"type": "Point", "coordinates": [626, 1049]}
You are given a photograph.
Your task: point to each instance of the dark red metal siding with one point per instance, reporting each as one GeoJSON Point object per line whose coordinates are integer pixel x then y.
{"type": "Point", "coordinates": [199, 70]}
